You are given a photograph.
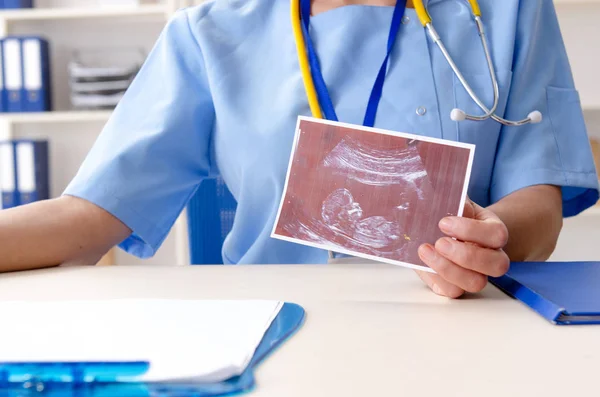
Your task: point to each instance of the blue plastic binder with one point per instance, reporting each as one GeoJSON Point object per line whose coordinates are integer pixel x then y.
{"type": "Point", "coordinates": [102, 379]}
{"type": "Point", "coordinates": [3, 97]}
{"type": "Point", "coordinates": [36, 95]}
{"type": "Point", "coordinates": [11, 4]}
{"type": "Point", "coordinates": [565, 293]}
{"type": "Point", "coordinates": [13, 73]}
{"type": "Point", "coordinates": [32, 171]}
{"type": "Point", "coordinates": [8, 175]}
{"type": "Point", "coordinates": [26, 74]}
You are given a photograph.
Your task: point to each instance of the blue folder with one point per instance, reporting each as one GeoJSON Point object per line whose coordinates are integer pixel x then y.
{"type": "Point", "coordinates": [565, 293]}
{"type": "Point", "coordinates": [17, 4]}
{"type": "Point", "coordinates": [8, 164]}
{"type": "Point", "coordinates": [35, 57]}
{"type": "Point", "coordinates": [26, 71]}
{"type": "Point", "coordinates": [12, 66]}
{"type": "Point", "coordinates": [3, 94]}
{"type": "Point", "coordinates": [100, 379]}
{"type": "Point", "coordinates": [32, 168]}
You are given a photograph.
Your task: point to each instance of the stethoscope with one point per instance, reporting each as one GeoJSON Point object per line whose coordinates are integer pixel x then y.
{"type": "Point", "coordinates": [425, 19]}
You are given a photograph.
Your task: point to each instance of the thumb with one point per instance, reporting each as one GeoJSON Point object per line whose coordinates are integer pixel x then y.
{"type": "Point", "coordinates": [473, 210]}
{"type": "Point", "coordinates": [469, 209]}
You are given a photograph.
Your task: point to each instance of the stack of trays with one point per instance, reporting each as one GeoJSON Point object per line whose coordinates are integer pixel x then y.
{"type": "Point", "coordinates": [98, 79]}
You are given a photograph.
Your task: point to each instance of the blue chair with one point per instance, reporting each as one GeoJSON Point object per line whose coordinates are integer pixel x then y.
{"type": "Point", "coordinates": [210, 215]}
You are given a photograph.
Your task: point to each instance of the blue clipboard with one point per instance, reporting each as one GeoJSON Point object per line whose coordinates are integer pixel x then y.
{"type": "Point", "coordinates": [564, 293]}
{"type": "Point", "coordinates": [100, 379]}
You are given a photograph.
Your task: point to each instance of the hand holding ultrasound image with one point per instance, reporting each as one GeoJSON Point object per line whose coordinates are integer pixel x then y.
{"type": "Point", "coordinates": [370, 193]}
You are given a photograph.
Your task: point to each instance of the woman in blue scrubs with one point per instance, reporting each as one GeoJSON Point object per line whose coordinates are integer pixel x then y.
{"type": "Point", "coordinates": [221, 92]}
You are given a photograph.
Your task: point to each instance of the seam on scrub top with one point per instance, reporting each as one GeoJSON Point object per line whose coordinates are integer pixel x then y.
{"type": "Point", "coordinates": [195, 40]}
{"type": "Point", "coordinates": [225, 58]}
{"type": "Point", "coordinates": [208, 86]}
{"type": "Point", "coordinates": [202, 62]}
{"type": "Point", "coordinates": [555, 138]}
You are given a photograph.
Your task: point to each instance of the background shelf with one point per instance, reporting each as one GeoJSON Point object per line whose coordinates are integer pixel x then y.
{"type": "Point", "coordinates": [57, 117]}
{"type": "Point", "coordinates": [62, 13]}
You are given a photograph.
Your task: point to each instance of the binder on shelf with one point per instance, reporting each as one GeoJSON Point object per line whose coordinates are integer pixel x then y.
{"type": "Point", "coordinates": [2, 78]}
{"type": "Point", "coordinates": [8, 175]}
{"type": "Point", "coordinates": [564, 293]}
{"type": "Point", "coordinates": [101, 379]}
{"type": "Point", "coordinates": [13, 73]}
{"type": "Point", "coordinates": [32, 171]}
{"type": "Point", "coordinates": [12, 4]}
{"type": "Point", "coordinates": [36, 75]}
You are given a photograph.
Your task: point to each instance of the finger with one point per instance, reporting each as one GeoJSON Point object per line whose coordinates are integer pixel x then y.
{"type": "Point", "coordinates": [469, 211]}
{"type": "Point", "coordinates": [486, 261]}
{"type": "Point", "coordinates": [440, 286]}
{"type": "Point", "coordinates": [490, 233]}
{"type": "Point", "coordinates": [465, 279]}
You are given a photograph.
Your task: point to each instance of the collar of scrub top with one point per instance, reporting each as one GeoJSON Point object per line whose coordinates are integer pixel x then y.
{"type": "Point", "coordinates": [320, 87]}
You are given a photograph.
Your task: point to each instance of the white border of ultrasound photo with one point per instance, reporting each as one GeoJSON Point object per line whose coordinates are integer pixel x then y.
{"type": "Point", "coordinates": [342, 250]}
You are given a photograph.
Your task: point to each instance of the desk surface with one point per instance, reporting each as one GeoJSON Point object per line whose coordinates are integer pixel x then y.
{"type": "Point", "coordinates": [371, 330]}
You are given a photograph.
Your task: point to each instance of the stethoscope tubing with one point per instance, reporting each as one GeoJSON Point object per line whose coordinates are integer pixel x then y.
{"type": "Point", "coordinates": [458, 114]}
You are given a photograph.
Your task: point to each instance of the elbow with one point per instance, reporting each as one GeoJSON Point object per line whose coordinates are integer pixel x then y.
{"type": "Point", "coordinates": [553, 237]}
{"type": "Point", "coordinates": [550, 233]}
{"type": "Point", "coordinates": [554, 230]}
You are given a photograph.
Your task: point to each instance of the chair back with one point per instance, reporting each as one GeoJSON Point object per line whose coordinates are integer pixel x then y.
{"type": "Point", "coordinates": [210, 215]}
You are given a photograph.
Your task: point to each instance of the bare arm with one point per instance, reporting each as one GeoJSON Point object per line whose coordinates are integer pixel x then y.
{"type": "Point", "coordinates": [534, 220]}
{"type": "Point", "coordinates": [66, 230]}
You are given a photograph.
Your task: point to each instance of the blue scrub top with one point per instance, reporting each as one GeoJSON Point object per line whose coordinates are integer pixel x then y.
{"type": "Point", "coordinates": [221, 91]}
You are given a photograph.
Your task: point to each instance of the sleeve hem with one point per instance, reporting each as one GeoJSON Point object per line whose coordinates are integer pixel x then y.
{"type": "Point", "coordinates": [145, 238]}
{"type": "Point", "coordinates": [580, 190]}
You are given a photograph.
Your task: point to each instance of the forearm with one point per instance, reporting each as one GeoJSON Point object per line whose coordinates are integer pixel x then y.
{"type": "Point", "coordinates": [55, 232]}
{"type": "Point", "coordinates": [533, 217]}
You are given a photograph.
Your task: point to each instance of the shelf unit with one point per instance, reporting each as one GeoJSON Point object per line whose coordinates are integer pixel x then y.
{"type": "Point", "coordinates": [10, 17]}
{"type": "Point", "coordinates": [34, 14]}
{"type": "Point", "coordinates": [57, 117]}
{"type": "Point", "coordinates": [75, 12]}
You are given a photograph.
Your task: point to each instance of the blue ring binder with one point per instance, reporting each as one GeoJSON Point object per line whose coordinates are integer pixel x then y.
{"type": "Point", "coordinates": [118, 379]}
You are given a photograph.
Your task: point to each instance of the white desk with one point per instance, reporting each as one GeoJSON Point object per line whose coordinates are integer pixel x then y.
{"type": "Point", "coordinates": [370, 330]}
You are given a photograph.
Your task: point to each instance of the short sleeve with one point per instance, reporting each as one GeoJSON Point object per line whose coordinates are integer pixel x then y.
{"type": "Point", "coordinates": [154, 151]}
{"type": "Point", "coordinates": [556, 151]}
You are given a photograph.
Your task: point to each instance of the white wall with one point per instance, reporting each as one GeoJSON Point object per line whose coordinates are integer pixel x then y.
{"type": "Point", "coordinates": [580, 239]}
